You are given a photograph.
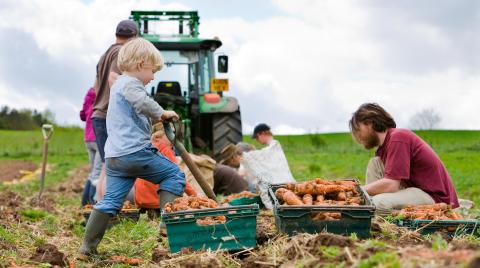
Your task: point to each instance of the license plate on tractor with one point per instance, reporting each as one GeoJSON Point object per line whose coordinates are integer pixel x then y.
{"type": "Point", "coordinates": [218, 85]}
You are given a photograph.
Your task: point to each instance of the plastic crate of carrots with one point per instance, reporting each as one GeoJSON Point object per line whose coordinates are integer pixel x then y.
{"type": "Point", "coordinates": [438, 217]}
{"type": "Point", "coordinates": [243, 198]}
{"type": "Point", "coordinates": [199, 223]}
{"type": "Point", "coordinates": [339, 207]}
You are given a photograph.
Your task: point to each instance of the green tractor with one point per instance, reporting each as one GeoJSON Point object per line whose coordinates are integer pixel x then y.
{"type": "Point", "coordinates": [189, 83]}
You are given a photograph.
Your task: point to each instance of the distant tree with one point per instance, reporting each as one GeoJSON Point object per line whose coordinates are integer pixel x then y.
{"type": "Point", "coordinates": [425, 119]}
{"type": "Point", "coordinates": [24, 119]}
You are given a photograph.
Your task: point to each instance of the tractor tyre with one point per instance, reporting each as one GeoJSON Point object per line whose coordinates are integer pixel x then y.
{"type": "Point", "coordinates": [226, 128]}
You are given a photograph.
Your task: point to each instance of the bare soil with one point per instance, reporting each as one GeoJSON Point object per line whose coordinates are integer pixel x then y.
{"type": "Point", "coordinates": [49, 253]}
{"type": "Point", "coordinates": [10, 199]}
{"type": "Point", "coordinates": [10, 169]}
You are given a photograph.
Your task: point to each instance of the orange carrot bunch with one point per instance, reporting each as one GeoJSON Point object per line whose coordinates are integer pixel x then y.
{"type": "Point", "coordinates": [239, 195]}
{"type": "Point", "coordinates": [190, 203]}
{"type": "Point", "coordinates": [128, 205]}
{"type": "Point", "coordinates": [320, 192]}
{"type": "Point", "coordinates": [326, 216]}
{"type": "Point", "coordinates": [212, 220]}
{"type": "Point", "coordinates": [195, 202]}
{"type": "Point", "coordinates": [439, 211]}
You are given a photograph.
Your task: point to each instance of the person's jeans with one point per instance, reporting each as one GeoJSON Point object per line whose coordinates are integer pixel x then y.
{"type": "Point", "coordinates": [147, 164]}
{"type": "Point", "coordinates": [100, 130]}
{"type": "Point", "coordinates": [95, 162]}
{"type": "Point", "coordinates": [95, 169]}
{"type": "Point", "coordinates": [88, 195]}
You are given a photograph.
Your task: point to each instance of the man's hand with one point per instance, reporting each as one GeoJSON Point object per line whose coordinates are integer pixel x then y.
{"type": "Point", "coordinates": [382, 186]}
{"type": "Point", "coordinates": [112, 77]}
{"type": "Point", "coordinates": [170, 115]}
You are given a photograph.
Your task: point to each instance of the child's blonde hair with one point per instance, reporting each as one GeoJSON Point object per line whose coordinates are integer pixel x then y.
{"type": "Point", "coordinates": [139, 51]}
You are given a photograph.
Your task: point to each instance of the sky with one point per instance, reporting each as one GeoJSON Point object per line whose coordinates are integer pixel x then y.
{"type": "Point", "coordinates": [301, 66]}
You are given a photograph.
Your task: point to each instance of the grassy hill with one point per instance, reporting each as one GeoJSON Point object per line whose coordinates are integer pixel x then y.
{"type": "Point", "coordinates": [333, 155]}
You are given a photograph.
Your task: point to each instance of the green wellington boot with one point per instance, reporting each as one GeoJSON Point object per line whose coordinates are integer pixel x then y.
{"type": "Point", "coordinates": [94, 231]}
{"type": "Point", "coordinates": [165, 197]}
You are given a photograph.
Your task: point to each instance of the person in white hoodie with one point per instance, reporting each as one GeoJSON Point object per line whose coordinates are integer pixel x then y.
{"type": "Point", "coordinates": [268, 165]}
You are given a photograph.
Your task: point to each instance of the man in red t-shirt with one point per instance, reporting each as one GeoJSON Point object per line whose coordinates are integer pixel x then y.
{"type": "Point", "coordinates": [405, 169]}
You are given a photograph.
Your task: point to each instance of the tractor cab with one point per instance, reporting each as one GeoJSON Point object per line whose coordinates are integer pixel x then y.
{"type": "Point", "coordinates": [189, 83]}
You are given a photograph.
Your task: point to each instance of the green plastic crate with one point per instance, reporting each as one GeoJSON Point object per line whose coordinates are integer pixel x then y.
{"type": "Point", "coordinates": [298, 219]}
{"type": "Point", "coordinates": [449, 227]}
{"type": "Point", "coordinates": [247, 201]}
{"type": "Point", "coordinates": [238, 232]}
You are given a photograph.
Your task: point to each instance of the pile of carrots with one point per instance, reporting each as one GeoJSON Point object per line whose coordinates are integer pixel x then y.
{"type": "Point", "coordinates": [189, 203]}
{"type": "Point", "coordinates": [319, 192]}
{"type": "Point", "coordinates": [126, 205]}
{"type": "Point", "coordinates": [192, 203]}
{"type": "Point", "coordinates": [439, 211]}
{"type": "Point", "coordinates": [239, 195]}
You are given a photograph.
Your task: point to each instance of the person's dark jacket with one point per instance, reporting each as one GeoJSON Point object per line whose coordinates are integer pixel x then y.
{"type": "Point", "coordinates": [227, 180]}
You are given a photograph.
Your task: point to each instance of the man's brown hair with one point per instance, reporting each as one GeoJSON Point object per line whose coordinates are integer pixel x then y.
{"type": "Point", "coordinates": [371, 113]}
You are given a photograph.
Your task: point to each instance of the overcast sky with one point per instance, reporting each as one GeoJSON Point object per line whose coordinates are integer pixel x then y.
{"type": "Point", "coordinates": [298, 65]}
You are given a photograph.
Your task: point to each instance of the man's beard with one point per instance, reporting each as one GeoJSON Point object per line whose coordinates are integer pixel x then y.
{"type": "Point", "coordinates": [371, 141]}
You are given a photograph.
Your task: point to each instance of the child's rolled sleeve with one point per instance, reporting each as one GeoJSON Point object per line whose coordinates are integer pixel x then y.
{"type": "Point", "coordinates": [136, 95]}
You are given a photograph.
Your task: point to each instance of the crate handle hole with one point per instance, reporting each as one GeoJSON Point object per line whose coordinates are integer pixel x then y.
{"type": "Point", "coordinates": [326, 216]}
{"type": "Point", "coordinates": [211, 220]}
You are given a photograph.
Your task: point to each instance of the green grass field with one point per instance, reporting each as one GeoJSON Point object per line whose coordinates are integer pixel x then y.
{"type": "Point", "coordinates": [323, 155]}
{"type": "Point", "coordinates": [333, 155]}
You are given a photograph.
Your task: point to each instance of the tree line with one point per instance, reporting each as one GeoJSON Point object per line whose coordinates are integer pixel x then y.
{"type": "Point", "coordinates": [24, 119]}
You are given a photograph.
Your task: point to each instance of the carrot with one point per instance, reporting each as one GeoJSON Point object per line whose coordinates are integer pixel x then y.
{"type": "Point", "coordinates": [290, 186]}
{"type": "Point", "coordinates": [325, 189]}
{"type": "Point", "coordinates": [307, 199]}
{"type": "Point", "coordinates": [292, 199]}
{"type": "Point", "coordinates": [318, 216]}
{"type": "Point", "coordinates": [322, 181]}
{"type": "Point", "coordinates": [304, 188]}
{"type": "Point", "coordinates": [133, 261]}
{"type": "Point", "coordinates": [455, 216]}
{"type": "Point", "coordinates": [354, 200]}
{"type": "Point", "coordinates": [320, 198]}
{"type": "Point", "coordinates": [279, 193]}
{"type": "Point", "coordinates": [341, 196]}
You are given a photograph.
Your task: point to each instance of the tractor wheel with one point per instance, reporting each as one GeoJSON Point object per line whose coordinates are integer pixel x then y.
{"type": "Point", "coordinates": [226, 128]}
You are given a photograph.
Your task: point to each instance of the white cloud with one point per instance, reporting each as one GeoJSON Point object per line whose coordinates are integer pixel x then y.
{"type": "Point", "coordinates": [284, 129]}
{"type": "Point", "coordinates": [305, 69]}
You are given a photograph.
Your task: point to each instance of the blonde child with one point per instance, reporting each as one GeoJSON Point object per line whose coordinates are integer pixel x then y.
{"type": "Point", "coordinates": [129, 153]}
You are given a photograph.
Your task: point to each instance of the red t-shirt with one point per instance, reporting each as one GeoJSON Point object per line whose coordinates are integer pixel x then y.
{"type": "Point", "coordinates": [408, 158]}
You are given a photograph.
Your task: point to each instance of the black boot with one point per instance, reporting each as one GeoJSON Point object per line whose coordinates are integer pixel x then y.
{"type": "Point", "coordinates": [165, 197]}
{"type": "Point", "coordinates": [94, 231]}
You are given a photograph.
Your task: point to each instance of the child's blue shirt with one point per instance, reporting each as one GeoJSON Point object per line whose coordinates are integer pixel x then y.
{"type": "Point", "coordinates": [129, 117]}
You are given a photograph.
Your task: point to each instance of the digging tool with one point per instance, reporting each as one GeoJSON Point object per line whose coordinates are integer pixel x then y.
{"type": "Point", "coordinates": [47, 131]}
{"type": "Point", "coordinates": [175, 138]}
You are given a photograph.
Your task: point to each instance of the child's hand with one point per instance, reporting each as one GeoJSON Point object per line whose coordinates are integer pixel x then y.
{"type": "Point", "coordinates": [170, 115]}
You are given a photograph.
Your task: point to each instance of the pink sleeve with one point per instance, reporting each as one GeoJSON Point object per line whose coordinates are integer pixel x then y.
{"type": "Point", "coordinates": [397, 163]}
{"type": "Point", "coordinates": [87, 104]}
